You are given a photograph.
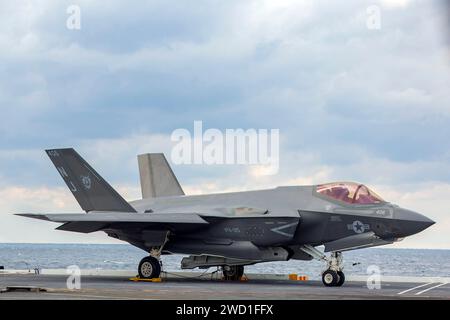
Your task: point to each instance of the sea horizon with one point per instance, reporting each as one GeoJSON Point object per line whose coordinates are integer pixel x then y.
{"type": "Point", "coordinates": [390, 261]}
{"type": "Point", "coordinates": [127, 244]}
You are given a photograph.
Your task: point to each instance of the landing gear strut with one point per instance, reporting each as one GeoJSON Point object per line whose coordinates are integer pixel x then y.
{"type": "Point", "coordinates": [233, 272]}
{"type": "Point", "coordinates": [150, 267]}
{"type": "Point", "coordinates": [333, 276]}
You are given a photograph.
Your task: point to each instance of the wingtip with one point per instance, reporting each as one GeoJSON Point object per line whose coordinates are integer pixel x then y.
{"type": "Point", "coordinates": [33, 216]}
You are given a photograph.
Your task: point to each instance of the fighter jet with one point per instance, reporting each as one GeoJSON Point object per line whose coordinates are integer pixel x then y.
{"type": "Point", "coordinates": [231, 230]}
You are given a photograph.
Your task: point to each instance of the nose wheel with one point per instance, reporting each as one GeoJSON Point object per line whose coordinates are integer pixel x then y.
{"type": "Point", "coordinates": [330, 278]}
{"type": "Point", "coordinates": [333, 276]}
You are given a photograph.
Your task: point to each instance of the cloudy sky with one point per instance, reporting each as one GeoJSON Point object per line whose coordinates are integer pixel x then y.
{"type": "Point", "coordinates": [351, 102]}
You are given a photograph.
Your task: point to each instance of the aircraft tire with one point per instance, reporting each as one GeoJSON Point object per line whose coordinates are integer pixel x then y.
{"type": "Point", "coordinates": [234, 273]}
{"type": "Point", "coordinates": [149, 268]}
{"type": "Point", "coordinates": [341, 279]}
{"type": "Point", "coordinates": [330, 278]}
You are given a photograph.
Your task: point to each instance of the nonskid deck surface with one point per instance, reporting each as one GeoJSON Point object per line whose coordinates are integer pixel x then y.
{"type": "Point", "coordinates": [120, 287]}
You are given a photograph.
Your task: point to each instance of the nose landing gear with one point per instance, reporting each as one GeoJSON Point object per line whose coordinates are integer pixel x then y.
{"type": "Point", "coordinates": [333, 276]}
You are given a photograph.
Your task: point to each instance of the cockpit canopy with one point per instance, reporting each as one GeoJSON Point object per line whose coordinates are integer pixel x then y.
{"type": "Point", "coordinates": [349, 192]}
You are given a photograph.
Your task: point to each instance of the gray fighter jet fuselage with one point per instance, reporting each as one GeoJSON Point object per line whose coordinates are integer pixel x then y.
{"type": "Point", "coordinates": [231, 230]}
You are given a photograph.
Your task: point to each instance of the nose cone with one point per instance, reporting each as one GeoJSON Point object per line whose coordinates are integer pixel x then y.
{"type": "Point", "coordinates": [411, 222]}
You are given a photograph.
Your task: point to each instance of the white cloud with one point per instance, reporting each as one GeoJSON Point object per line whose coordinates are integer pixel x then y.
{"type": "Point", "coordinates": [395, 3]}
{"type": "Point", "coordinates": [360, 105]}
{"type": "Point", "coordinates": [120, 154]}
{"type": "Point", "coordinates": [39, 200]}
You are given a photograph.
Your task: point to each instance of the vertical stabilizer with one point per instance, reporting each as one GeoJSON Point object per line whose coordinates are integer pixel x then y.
{"type": "Point", "coordinates": [157, 178]}
{"type": "Point", "coordinates": [92, 192]}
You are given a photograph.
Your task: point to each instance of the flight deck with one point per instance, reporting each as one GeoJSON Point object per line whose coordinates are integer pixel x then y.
{"type": "Point", "coordinates": [113, 285]}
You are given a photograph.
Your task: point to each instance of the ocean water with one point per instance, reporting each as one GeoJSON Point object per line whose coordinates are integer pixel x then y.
{"type": "Point", "coordinates": [391, 262]}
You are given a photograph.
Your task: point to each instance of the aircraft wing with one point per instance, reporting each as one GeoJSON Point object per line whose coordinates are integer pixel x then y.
{"type": "Point", "coordinates": [358, 241]}
{"type": "Point", "coordinates": [95, 221]}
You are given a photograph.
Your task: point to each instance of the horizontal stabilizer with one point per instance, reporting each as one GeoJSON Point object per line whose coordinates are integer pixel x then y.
{"type": "Point", "coordinates": [83, 227]}
{"type": "Point", "coordinates": [96, 221]}
{"type": "Point", "coordinates": [111, 217]}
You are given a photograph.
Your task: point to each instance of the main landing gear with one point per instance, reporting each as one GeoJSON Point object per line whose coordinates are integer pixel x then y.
{"type": "Point", "coordinates": [333, 276]}
{"type": "Point", "coordinates": [150, 267]}
{"type": "Point", "coordinates": [233, 272]}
